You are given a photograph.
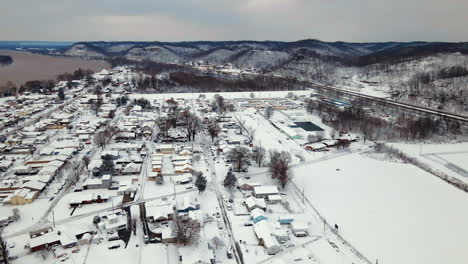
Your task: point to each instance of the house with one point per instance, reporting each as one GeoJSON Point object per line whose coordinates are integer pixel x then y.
{"type": "Point", "coordinates": [125, 136]}
{"type": "Point", "coordinates": [263, 233]}
{"type": "Point", "coordinates": [92, 183]}
{"type": "Point", "coordinates": [153, 176]}
{"type": "Point", "coordinates": [23, 196]}
{"type": "Point", "coordinates": [244, 185]}
{"type": "Point", "coordinates": [299, 229]}
{"type": "Point", "coordinates": [115, 222]}
{"type": "Point", "coordinates": [159, 213]}
{"type": "Point", "coordinates": [127, 189]}
{"type": "Point", "coordinates": [280, 234]}
{"type": "Point", "coordinates": [264, 191]}
{"type": "Point", "coordinates": [46, 240]}
{"type": "Point", "coordinates": [132, 168]}
{"type": "Point", "coordinates": [185, 152]}
{"type": "Point", "coordinates": [34, 186]}
{"type": "Point", "coordinates": [316, 146]}
{"type": "Point", "coordinates": [253, 203]}
{"type": "Point", "coordinates": [183, 169]}
{"type": "Point", "coordinates": [257, 215]}
{"type": "Point", "coordinates": [182, 179]}
{"type": "Point", "coordinates": [156, 167]}
{"type": "Point", "coordinates": [330, 142]}
{"type": "Point", "coordinates": [89, 198]}
{"type": "Point", "coordinates": [274, 199]}
{"type": "Point", "coordinates": [188, 204]}
{"type": "Point", "coordinates": [165, 148]}
{"type": "Point", "coordinates": [5, 165]}
{"type": "Point", "coordinates": [285, 220]}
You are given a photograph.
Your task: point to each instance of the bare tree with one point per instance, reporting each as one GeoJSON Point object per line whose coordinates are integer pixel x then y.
{"type": "Point", "coordinates": [240, 156]}
{"type": "Point", "coordinates": [163, 125]}
{"type": "Point", "coordinates": [96, 104]}
{"type": "Point", "coordinates": [86, 161]}
{"type": "Point", "coordinates": [217, 242]}
{"type": "Point", "coordinates": [73, 170]}
{"type": "Point", "coordinates": [311, 138]}
{"type": "Point", "coordinates": [100, 139]}
{"type": "Point", "coordinates": [250, 134]}
{"type": "Point", "coordinates": [187, 230]}
{"type": "Point", "coordinates": [192, 124]}
{"type": "Point", "coordinates": [213, 129]}
{"type": "Point", "coordinates": [16, 214]}
{"type": "Point", "coordinates": [280, 168]}
{"type": "Point", "coordinates": [3, 249]}
{"type": "Point", "coordinates": [259, 155]}
{"type": "Point", "coordinates": [242, 125]}
{"type": "Point", "coordinates": [269, 112]}
{"type": "Point", "coordinates": [219, 103]}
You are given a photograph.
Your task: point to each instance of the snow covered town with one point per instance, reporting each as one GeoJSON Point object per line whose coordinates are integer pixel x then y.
{"type": "Point", "coordinates": [101, 173]}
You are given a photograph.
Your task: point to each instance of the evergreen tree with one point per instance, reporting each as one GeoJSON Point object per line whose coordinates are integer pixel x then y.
{"type": "Point", "coordinates": [201, 182]}
{"type": "Point", "coordinates": [230, 180]}
{"type": "Point", "coordinates": [61, 94]}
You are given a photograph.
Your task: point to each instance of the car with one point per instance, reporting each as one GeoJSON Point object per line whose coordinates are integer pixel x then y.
{"type": "Point", "coordinates": [113, 245]}
{"type": "Point", "coordinates": [229, 207]}
{"type": "Point", "coordinates": [218, 215]}
{"type": "Point", "coordinates": [229, 253]}
{"type": "Point", "coordinates": [64, 258]}
{"type": "Point", "coordinates": [12, 244]}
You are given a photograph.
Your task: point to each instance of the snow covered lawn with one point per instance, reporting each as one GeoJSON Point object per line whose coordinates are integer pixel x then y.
{"type": "Point", "coordinates": [448, 158]}
{"type": "Point", "coordinates": [392, 212]}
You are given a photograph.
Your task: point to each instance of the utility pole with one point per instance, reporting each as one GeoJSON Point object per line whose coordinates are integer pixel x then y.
{"type": "Point", "coordinates": [53, 217]}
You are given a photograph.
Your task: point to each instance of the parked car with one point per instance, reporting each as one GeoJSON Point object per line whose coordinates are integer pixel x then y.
{"type": "Point", "coordinates": [229, 252]}
{"type": "Point", "coordinates": [113, 245]}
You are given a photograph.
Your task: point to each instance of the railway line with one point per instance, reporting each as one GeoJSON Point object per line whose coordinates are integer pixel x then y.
{"type": "Point", "coordinates": [421, 109]}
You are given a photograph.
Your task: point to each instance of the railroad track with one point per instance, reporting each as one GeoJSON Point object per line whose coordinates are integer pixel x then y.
{"type": "Point", "coordinates": [421, 109]}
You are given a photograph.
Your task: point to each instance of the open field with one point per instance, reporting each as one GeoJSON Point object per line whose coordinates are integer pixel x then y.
{"type": "Point", "coordinates": [27, 66]}
{"type": "Point", "coordinates": [393, 212]}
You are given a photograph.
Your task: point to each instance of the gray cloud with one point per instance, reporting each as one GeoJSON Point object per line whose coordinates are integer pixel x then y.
{"type": "Point", "coordinates": [331, 20]}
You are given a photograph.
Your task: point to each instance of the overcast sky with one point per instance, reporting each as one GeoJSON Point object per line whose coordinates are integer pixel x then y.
{"type": "Point", "coordinates": [287, 20]}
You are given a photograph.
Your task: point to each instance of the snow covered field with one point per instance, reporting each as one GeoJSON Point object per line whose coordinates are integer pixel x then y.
{"type": "Point", "coordinates": [392, 212]}
{"type": "Point", "coordinates": [448, 158]}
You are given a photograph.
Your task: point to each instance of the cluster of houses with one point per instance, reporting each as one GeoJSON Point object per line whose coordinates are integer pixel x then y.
{"type": "Point", "coordinates": [262, 103]}
{"type": "Point", "coordinates": [325, 145]}
{"type": "Point", "coordinates": [22, 107]}
{"type": "Point", "coordinates": [26, 140]}
{"type": "Point", "coordinates": [160, 216]}
{"type": "Point", "coordinates": [24, 182]}
{"type": "Point", "coordinates": [136, 125]}
{"type": "Point", "coordinates": [225, 69]}
{"type": "Point", "coordinates": [271, 233]}
{"type": "Point", "coordinates": [169, 161]}
{"type": "Point", "coordinates": [61, 242]}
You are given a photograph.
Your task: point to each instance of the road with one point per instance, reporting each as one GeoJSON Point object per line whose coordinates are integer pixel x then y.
{"type": "Point", "coordinates": [227, 223]}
